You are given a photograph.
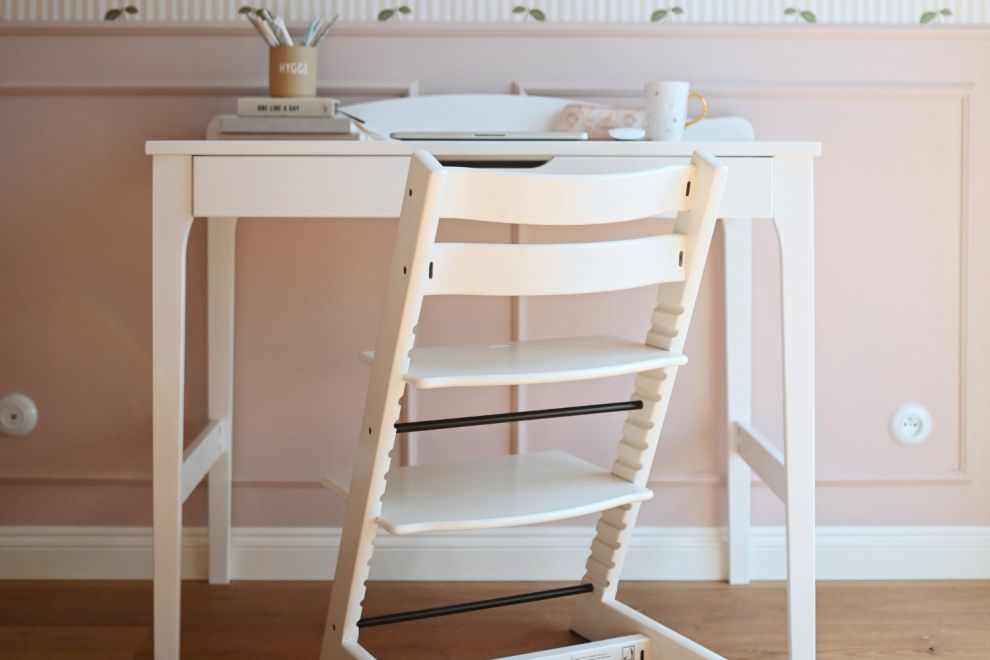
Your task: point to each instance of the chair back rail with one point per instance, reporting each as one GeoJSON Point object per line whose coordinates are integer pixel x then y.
{"type": "Point", "coordinates": [489, 269]}
{"type": "Point", "coordinates": [533, 198]}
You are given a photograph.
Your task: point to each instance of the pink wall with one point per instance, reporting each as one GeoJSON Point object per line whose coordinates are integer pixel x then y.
{"type": "Point", "coordinates": [902, 299]}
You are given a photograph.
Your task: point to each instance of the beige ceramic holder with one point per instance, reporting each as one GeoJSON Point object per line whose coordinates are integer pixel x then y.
{"type": "Point", "coordinates": [292, 71]}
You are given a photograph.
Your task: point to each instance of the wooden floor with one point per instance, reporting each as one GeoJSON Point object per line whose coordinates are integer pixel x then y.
{"type": "Point", "coordinates": [244, 620]}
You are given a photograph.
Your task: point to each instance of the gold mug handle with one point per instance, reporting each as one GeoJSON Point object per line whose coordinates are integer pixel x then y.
{"type": "Point", "coordinates": [704, 108]}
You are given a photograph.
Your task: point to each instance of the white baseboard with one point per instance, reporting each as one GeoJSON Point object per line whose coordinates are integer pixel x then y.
{"type": "Point", "coordinates": [537, 553]}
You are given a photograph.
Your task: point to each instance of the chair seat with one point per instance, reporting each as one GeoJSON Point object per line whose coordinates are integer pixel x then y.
{"type": "Point", "coordinates": [532, 361]}
{"type": "Point", "coordinates": [495, 492]}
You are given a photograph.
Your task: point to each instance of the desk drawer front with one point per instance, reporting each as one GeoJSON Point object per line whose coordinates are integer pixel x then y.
{"type": "Point", "coordinates": [748, 191]}
{"type": "Point", "coordinates": [298, 186]}
{"type": "Point", "coordinates": [371, 186]}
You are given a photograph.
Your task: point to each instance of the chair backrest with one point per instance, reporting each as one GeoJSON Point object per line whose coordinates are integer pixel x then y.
{"type": "Point", "coordinates": [542, 199]}
{"type": "Point", "coordinates": [423, 267]}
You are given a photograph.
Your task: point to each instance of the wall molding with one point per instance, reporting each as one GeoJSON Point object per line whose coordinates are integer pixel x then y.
{"type": "Point", "coordinates": [196, 88]}
{"type": "Point", "coordinates": [961, 91]}
{"type": "Point", "coordinates": [537, 553]}
{"type": "Point", "coordinates": [889, 89]}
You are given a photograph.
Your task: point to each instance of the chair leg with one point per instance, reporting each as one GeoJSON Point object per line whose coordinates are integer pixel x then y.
{"type": "Point", "coordinates": [355, 651]}
{"type": "Point", "coordinates": [348, 591]}
{"type": "Point", "coordinates": [634, 459]}
{"type": "Point", "coordinates": [356, 545]}
{"type": "Point", "coordinates": [598, 615]}
{"type": "Point", "coordinates": [606, 618]}
{"type": "Point", "coordinates": [608, 552]}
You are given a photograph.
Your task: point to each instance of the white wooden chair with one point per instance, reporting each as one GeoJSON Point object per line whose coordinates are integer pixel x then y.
{"type": "Point", "coordinates": [539, 487]}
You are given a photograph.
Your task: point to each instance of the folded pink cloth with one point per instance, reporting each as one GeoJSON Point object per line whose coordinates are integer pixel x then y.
{"type": "Point", "coordinates": [597, 119]}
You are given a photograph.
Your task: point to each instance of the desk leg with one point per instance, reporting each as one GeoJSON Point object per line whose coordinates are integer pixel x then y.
{"type": "Point", "coordinates": [220, 285]}
{"type": "Point", "coordinates": [738, 234]}
{"type": "Point", "coordinates": [794, 218]}
{"type": "Point", "coordinates": [171, 221]}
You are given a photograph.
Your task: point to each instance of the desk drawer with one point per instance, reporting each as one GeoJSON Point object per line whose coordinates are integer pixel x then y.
{"type": "Point", "coordinates": [371, 186]}
{"type": "Point", "coordinates": [298, 186]}
{"type": "Point", "coordinates": [748, 192]}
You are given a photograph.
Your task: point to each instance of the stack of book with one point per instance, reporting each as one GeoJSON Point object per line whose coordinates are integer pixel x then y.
{"type": "Point", "coordinates": [262, 118]}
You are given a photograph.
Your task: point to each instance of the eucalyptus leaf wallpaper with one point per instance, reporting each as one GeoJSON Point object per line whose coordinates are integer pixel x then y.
{"type": "Point", "coordinates": [927, 13]}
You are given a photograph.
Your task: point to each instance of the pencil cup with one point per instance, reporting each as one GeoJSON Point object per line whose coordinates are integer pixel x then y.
{"type": "Point", "coordinates": [292, 71]}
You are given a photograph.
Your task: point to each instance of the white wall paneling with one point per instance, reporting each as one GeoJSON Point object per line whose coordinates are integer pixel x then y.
{"type": "Point", "coordinates": [933, 103]}
{"type": "Point", "coordinates": [903, 302]}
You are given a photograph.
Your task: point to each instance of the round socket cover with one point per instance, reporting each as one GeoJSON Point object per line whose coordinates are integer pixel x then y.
{"type": "Point", "coordinates": [18, 415]}
{"type": "Point", "coordinates": [911, 424]}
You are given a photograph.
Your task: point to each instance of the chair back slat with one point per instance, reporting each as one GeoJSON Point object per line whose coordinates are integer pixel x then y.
{"type": "Point", "coordinates": [486, 269]}
{"type": "Point", "coordinates": [532, 198]}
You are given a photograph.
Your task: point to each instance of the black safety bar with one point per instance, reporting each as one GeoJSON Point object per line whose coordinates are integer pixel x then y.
{"type": "Point", "coordinates": [521, 416]}
{"type": "Point", "coordinates": [475, 605]}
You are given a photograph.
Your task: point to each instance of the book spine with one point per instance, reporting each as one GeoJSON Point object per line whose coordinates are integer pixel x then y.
{"type": "Point", "coordinates": [328, 137]}
{"type": "Point", "coordinates": [232, 124]}
{"type": "Point", "coordinates": [286, 107]}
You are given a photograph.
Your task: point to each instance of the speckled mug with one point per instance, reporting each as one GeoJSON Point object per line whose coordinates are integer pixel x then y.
{"type": "Point", "coordinates": [666, 109]}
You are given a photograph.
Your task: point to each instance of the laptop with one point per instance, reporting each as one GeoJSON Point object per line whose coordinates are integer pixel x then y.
{"type": "Point", "coordinates": [501, 136]}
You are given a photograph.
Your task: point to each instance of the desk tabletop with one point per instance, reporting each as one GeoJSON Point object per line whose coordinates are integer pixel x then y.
{"type": "Point", "coordinates": [469, 149]}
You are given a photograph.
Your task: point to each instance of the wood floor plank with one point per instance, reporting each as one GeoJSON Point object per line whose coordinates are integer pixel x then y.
{"type": "Point", "coordinates": [275, 620]}
{"type": "Point", "coordinates": [72, 642]}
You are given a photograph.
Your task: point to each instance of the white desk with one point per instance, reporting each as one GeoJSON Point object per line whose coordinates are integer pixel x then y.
{"type": "Point", "coordinates": [228, 180]}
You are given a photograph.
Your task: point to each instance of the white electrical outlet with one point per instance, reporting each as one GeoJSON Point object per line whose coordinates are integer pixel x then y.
{"type": "Point", "coordinates": [18, 415]}
{"type": "Point", "coordinates": [911, 424]}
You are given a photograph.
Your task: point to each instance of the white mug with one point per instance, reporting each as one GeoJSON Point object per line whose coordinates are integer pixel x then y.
{"type": "Point", "coordinates": [666, 109]}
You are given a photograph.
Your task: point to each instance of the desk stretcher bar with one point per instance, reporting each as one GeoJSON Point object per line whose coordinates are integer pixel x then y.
{"type": "Point", "coordinates": [200, 456]}
{"type": "Point", "coordinates": [766, 460]}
